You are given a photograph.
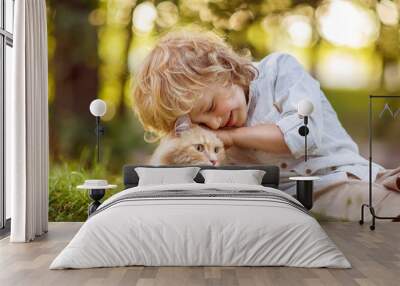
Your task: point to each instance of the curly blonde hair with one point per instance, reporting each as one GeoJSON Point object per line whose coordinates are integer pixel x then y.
{"type": "Point", "coordinates": [172, 76]}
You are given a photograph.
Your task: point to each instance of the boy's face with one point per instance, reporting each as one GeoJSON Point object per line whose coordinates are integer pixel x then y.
{"type": "Point", "coordinates": [220, 107]}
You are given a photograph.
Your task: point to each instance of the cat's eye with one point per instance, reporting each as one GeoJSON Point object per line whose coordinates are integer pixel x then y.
{"type": "Point", "coordinates": [199, 147]}
{"type": "Point", "coordinates": [216, 149]}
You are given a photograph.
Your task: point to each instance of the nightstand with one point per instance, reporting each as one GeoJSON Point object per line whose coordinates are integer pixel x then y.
{"type": "Point", "coordinates": [304, 190]}
{"type": "Point", "coordinates": [96, 190]}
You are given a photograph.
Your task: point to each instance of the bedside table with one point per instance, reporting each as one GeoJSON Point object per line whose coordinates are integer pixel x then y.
{"type": "Point", "coordinates": [96, 190]}
{"type": "Point", "coordinates": [304, 190]}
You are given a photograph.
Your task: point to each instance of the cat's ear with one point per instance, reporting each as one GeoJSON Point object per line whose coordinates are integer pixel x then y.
{"type": "Point", "coordinates": [182, 124]}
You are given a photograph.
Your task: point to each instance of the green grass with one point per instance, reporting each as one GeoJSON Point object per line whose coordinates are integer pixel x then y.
{"type": "Point", "coordinates": [66, 202]}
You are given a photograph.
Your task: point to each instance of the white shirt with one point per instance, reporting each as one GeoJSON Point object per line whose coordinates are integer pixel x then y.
{"type": "Point", "coordinates": [282, 82]}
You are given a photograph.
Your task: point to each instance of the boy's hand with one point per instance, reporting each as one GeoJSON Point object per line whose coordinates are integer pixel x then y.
{"type": "Point", "coordinates": [264, 137]}
{"type": "Point", "coordinates": [225, 135]}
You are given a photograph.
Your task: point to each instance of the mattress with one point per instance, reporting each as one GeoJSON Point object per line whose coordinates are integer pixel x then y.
{"type": "Point", "coordinates": [201, 225]}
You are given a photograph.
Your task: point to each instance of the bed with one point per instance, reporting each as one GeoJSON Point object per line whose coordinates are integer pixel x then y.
{"type": "Point", "coordinates": [198, 224]}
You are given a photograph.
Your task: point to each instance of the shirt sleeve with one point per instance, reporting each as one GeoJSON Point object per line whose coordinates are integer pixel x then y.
{"type": "Point", "coordinates": [293, 84]}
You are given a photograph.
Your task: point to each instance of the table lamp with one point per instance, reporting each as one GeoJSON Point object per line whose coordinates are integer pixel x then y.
{"type": "Point", "coordinates": [304, 184]}
{"type": "Point", "coordinates": [96, 188]}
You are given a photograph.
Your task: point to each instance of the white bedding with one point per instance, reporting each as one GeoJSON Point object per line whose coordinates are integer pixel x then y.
{"type": "Point", "coordinates": [200, 231]}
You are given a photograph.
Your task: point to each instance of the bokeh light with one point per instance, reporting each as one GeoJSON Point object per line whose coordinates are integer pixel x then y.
{"type": "Point", "coordinates": [346, 23]}
{"type": "Point", "coordinates": [144, 16]}
{"type": "Point", "coordinates": [168, 14]}
{"type": "Point", "coordinates": [240, 19]}
{"type": "Point", "coordinates": [348, 69]}
{"type": "Point", "coordinates": [299, 30]}
{"type": "Point", "coordinates": [388, 12]}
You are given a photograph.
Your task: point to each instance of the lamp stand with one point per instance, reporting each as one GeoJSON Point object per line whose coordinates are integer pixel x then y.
{"type": "Point", "coordinates": [304, 193]}
{"type": "Point", "coordinates": [96, 195]}
{"type": "Point", "coordinates": [303, 131]}
{"type": "Point", "coordinates": [99, 131]}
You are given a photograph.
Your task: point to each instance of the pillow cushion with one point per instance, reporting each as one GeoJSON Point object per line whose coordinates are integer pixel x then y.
{"type": "Point", "coordinates": [248, 177]}
{"type": "Point", "coordinates": [163, 176]}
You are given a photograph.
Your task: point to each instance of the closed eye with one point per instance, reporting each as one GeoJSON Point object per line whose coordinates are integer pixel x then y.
{"type": "Point", "coordinates": [211, 108]}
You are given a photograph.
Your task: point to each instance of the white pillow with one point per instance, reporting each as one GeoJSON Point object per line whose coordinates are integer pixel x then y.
{"type": "Point", "coordinates": [249, 177]}
{"type": "Point", "coordinates": [163, 176]}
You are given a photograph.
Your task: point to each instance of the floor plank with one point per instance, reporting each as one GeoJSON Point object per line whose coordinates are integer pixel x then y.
{"type": "Point", "coordinates": [374, 255]}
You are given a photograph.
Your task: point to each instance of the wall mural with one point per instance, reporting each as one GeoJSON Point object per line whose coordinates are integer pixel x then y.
{"type": "Point", "coordinates": [132, 55]}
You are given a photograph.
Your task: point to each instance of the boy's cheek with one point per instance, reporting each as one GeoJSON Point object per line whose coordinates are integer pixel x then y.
{"type": "Point", "coordinates": [224, 107]}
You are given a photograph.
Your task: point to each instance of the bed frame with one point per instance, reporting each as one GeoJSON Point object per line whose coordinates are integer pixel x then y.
{"type": "Point", "coordinates": [270, 179]}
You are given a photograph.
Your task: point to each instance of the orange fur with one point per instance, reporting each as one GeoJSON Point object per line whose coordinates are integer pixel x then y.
{"type": "Point", "coordinates": [182, 149]}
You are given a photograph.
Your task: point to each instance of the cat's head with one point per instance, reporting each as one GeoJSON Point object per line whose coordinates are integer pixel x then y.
{"type": "Point", "coordinates": [191, 144]}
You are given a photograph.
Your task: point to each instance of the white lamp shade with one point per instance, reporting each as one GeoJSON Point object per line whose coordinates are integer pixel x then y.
{"type": "Point", "coordinates": [98, 107]}
{"type": "Point", "coordinates": [305, 107]}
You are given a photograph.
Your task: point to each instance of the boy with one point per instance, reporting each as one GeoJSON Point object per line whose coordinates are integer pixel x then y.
{"type": "Point", "coordinates": [253, 111]}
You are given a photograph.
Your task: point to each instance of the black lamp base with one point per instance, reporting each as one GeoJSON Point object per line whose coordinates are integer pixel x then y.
{"type": "Point", "coordinates": [96, 195]}
{"type": "Point", "coordinates": [304, 193]}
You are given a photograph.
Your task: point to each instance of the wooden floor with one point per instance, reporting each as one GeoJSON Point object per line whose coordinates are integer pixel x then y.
{"type": "Point", "coordinates": [375, 257]}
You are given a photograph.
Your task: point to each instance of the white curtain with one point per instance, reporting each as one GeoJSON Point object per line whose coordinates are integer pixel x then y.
{"type": "Point", "coordinates": [27, 124]}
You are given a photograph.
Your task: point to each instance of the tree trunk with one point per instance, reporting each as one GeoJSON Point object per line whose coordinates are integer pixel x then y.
{"type": "Point", "coordinates": [74, 65]}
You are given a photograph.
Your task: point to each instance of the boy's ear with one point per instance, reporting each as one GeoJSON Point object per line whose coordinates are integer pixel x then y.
{"type": "Point", "coordinates": [182, 124]}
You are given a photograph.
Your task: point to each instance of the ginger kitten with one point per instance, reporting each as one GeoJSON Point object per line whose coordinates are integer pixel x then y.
{"type": "Point", "coordinates": [189, 144]}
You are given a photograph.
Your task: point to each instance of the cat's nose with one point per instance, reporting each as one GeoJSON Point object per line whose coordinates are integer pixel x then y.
{"type": "Point", "coordinates": [214, 162]}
